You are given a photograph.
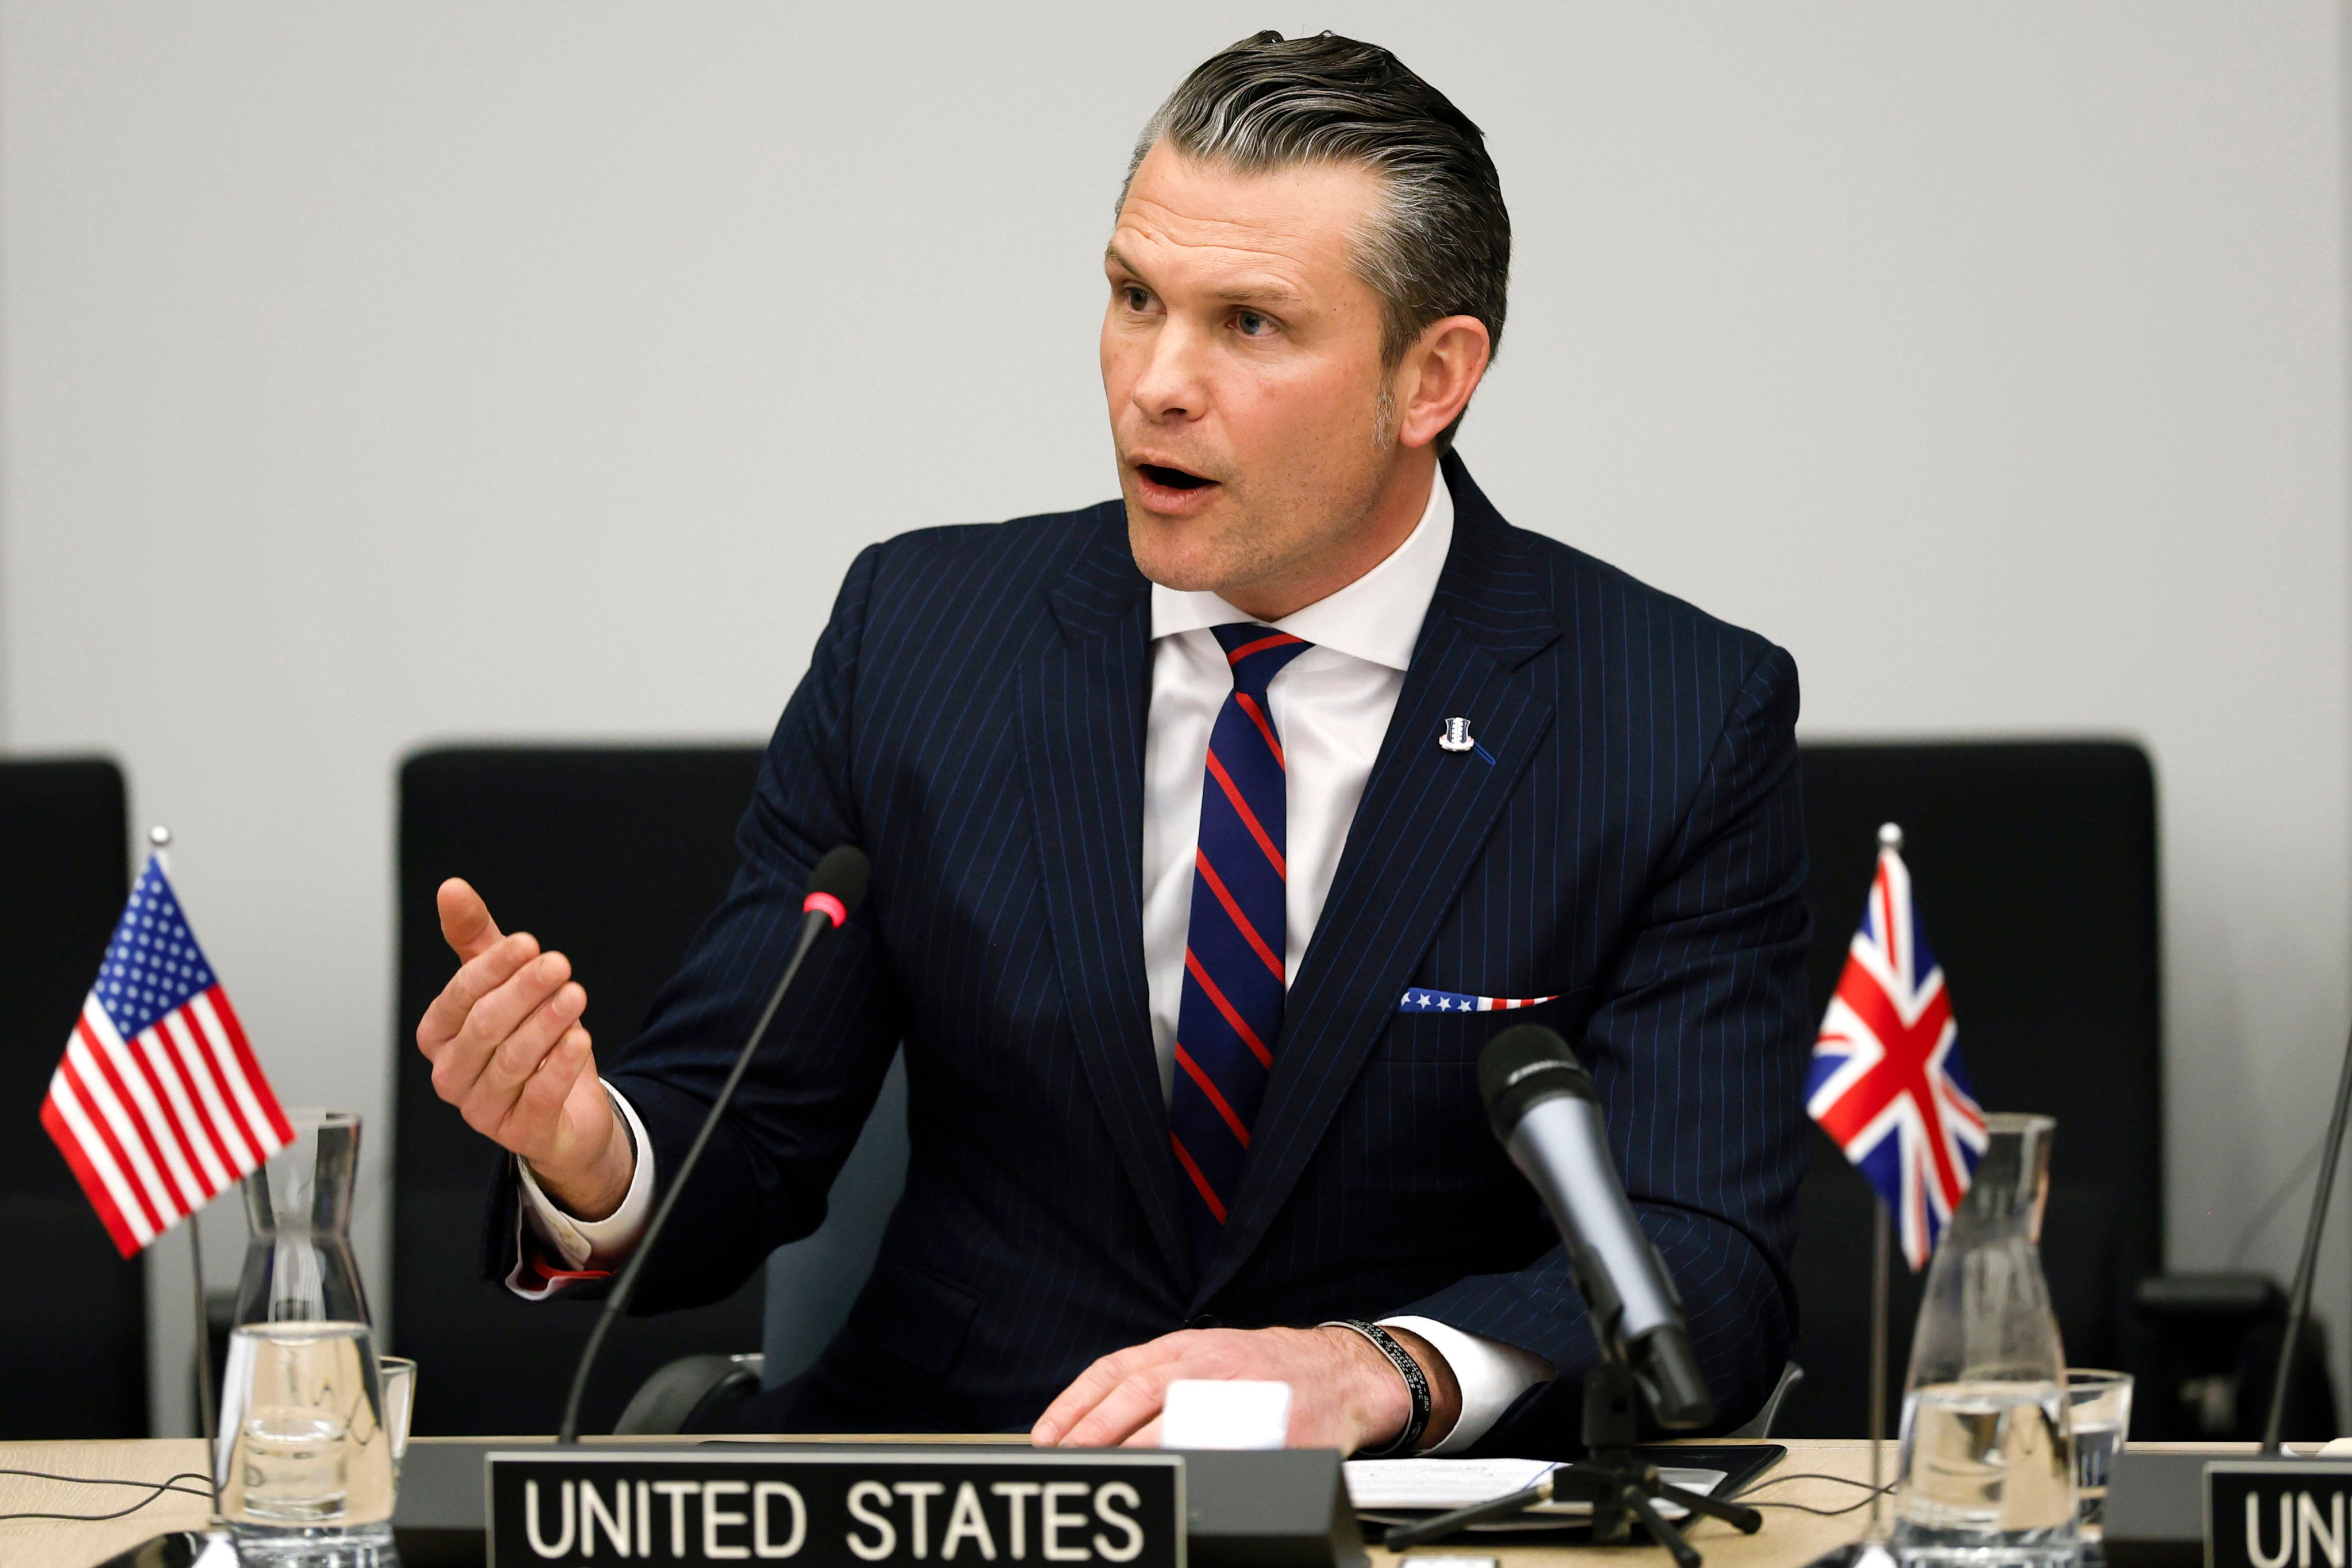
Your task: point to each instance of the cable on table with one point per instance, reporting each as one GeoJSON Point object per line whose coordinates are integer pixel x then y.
{"type": "Point", "coordinates": [155, 1490]}
{"type": "Point", "coordinates": [1808, 1507]}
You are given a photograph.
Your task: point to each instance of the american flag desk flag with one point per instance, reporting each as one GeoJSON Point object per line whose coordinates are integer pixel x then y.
{"type": "Point", "coordinates": [159, 1105]}
{"type": "Point", "coordinates": [1886, 1084]}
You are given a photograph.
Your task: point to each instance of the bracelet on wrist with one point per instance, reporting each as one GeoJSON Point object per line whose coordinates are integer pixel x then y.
{"type": "Point", "coordinates": [1416, 1383]}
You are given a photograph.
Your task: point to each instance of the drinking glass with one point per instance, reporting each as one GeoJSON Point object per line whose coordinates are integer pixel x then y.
{"type": "Point", "coordinates": [304, 1447]}
{"type": "Point", "coordinates": [397, 1374]}
{"type": "Point", "coordinates": [2099, 1408]}
{"type": "Point", "coordinates": [1987, 1470]}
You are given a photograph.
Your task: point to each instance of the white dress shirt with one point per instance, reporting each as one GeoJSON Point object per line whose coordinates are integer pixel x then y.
{"type": "Point", "coordinates": [1331, 706]}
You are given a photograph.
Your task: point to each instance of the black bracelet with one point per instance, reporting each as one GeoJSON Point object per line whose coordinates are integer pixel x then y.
{"type": "Point", "coordinates": [1416, 1383]}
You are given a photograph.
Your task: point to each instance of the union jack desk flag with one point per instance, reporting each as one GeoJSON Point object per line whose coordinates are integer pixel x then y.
{"type": "Point", "coordinates": [159, 1105]}
{"type": "Point", "coordinates": [1886, 1084]}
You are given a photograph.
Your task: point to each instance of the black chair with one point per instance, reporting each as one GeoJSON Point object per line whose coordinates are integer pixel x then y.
{"type": "Point", "coordinates": [2034, 872]}
{"type": "Point", "coordinates": [615, 855]}
{"type": "Point", "coordinates": [73, 1314]}
{"type": "Point", "coordinates": [811, 1285]}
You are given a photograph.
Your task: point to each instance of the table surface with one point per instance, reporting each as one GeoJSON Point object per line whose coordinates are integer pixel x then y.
{"type": "Point", "coordinates": [1790, 1539]}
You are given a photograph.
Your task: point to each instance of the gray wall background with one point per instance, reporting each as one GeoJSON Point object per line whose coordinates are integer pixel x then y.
{"type": "Point", "coordinates": [382, 374]}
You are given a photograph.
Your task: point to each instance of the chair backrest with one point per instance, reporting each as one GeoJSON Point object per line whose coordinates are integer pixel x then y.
{"type": "Point", "coordinates": [813, 1283]}
{"type": "Point", "coordinates": [2034, 873]}
{"type": "Point", "coordinates": [73, 1314]}
{"type": "Point", "coordinates": [614, 854]}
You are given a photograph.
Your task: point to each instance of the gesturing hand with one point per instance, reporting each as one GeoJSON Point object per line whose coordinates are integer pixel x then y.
{"type": "Point", "coordinates": [509, 1051]}
{"type": "Point", "coordinates": [1344, 1394]}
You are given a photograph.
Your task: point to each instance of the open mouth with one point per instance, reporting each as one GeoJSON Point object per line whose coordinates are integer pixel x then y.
{"type": "Point", "coordinates": [1173, 478]}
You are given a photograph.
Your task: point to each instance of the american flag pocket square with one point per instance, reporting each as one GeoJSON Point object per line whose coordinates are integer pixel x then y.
{"type": "Point", "coordinates": [1421, 999]}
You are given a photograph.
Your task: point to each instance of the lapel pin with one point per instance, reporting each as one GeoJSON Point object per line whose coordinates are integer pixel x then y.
{"type": "Point", "coordinates": [1457, 737]}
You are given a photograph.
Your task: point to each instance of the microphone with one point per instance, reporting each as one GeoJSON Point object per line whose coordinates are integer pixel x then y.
{"type": "Point", "coordinates": [1541, 1102]}
{"type": "Point", "coordinates": [834, 891]}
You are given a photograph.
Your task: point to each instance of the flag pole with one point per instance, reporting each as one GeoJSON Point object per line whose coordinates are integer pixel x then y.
{"type": "Point", "coordinates": [207, 1421]}
{"type": "Point", "coordinates": [1880, 1263]}
{"type": "Point", "coordinates": [159, 842]}
{"type": "Point", "coordinates": [1890, 836]}
{"type": "Point", "coordinates": [1875, 1550]}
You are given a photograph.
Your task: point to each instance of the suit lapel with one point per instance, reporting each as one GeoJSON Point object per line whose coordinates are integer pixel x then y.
{"type": "Point", "coordinates": [1425, 815]}
{"type": "Point", "coordinates": [1085, 699]}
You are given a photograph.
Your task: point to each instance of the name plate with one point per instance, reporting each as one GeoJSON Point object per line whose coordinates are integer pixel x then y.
{"type": "Point", "coordinates": [2277, 1514]}
{"type": "Point", "coordinates": [836, 1509]}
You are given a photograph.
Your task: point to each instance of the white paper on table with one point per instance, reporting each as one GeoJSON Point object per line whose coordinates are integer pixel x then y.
{"type": "Point", "coordinates": [1424, 1485]}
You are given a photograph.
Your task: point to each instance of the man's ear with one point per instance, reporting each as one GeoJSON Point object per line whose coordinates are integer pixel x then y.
{"type": "Point", "coordinates": [1437, 375]}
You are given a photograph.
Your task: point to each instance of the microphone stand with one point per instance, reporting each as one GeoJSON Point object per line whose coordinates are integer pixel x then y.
{"type": "Point", "coordinates": [2307, 1265]}
{"type": "Point", "coordinates": [814, 922]}
{"type": "Point", "coordinates": [1622, 1486]}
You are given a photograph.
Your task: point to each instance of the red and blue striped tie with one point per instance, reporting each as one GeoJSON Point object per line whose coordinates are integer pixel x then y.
{"type": "Point", "coordinates": [1230, 1010]}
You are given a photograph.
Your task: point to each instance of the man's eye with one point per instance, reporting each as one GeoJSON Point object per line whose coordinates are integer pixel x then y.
{"type": "Point", "coordinates": [1136, 298]}
{"type": "Point", "coordinates": [1252, 324]}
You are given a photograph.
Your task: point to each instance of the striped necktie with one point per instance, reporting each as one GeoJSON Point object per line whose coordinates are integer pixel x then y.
{"type": "Point", "coordinates": [1230, 1013]}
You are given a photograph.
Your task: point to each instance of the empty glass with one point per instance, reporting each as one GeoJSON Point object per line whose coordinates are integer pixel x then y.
{"type": "Point", "coordinates": [305, 1459]}
{"type": "Point", "coordinates": [2099, 1411]}
{"type": "Point", "coordinates": [398, 1376]}
{"type": "Point", "coordinates": [1987, 1462]}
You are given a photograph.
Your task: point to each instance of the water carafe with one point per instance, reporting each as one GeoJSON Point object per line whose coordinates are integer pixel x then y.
{"type": "Point", "coordinates": [306, 1470]}
{"type": "Point", "coordinates": [1988, 1460]}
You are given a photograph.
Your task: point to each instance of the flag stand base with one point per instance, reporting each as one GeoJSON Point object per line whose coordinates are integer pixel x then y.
{"type": "Point", "coordinates": [1868, 1553]}
{"type": "Point", "coordinates": [179, 1548]}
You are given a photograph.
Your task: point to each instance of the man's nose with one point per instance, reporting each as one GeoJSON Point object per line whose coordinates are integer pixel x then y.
{"type": "Point", "coordinates": [1171, 386]}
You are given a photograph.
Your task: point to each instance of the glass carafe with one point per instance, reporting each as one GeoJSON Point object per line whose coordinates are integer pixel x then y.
{"type": "Point", "coordinates": [1987, 1464]}
{"type": "Point", "coordinates": [305, 1463]}
{"type": "Point", "coordinates": [298, 1265]}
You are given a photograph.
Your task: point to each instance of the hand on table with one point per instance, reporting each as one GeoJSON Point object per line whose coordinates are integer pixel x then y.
{"type": "Point", "coordinates": [1344, 1394]}
{"type": "Point", "coordinates": [509, 1051]}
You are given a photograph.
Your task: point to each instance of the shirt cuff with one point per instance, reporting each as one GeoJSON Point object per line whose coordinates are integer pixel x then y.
{"type": "Point", "coordinates": [1491, 1373]}
{"type": "Point", "coordinates": [600, 1244]}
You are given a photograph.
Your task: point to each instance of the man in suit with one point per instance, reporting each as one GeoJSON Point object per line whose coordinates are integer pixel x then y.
{"type": "Point", "coordinates": [1203, 822]}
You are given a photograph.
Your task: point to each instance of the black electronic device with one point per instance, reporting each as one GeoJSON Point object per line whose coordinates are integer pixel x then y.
{"type": "Point", "coordinates": [2205, 1354]}
{"type": "Point", "coordinates": [1541, 1104]}
{"type": "Point", "coordinates": [834, 888]}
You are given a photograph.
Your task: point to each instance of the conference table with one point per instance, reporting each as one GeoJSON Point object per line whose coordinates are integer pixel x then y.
{"type": "Point", "coordinates": [1790, 1539]}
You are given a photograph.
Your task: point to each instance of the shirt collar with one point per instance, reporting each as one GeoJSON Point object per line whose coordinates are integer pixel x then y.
{"type": "Point", "coordinates": [1376, 618]}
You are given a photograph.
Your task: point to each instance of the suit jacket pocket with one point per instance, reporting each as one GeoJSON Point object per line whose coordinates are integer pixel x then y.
{"type": "Point", "coordinates": [913, 1315]}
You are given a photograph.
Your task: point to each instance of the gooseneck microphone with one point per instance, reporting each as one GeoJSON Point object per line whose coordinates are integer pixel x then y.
{"type": "Point", "coordinates": [1541, 1104]}
{"type": "Point", "coordinates": [834, 891]}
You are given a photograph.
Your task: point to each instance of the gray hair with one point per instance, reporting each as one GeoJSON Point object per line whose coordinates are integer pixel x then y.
{"type": "Point", "coordinates": [1442, 246]}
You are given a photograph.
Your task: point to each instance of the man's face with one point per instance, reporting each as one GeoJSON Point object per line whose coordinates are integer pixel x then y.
{"type": "Point", "coordinates": [1241, 357]}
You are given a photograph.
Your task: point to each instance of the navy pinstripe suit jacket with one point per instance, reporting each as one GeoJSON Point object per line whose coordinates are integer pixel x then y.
{"type": "Point", "coordinates": [973, 717]}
